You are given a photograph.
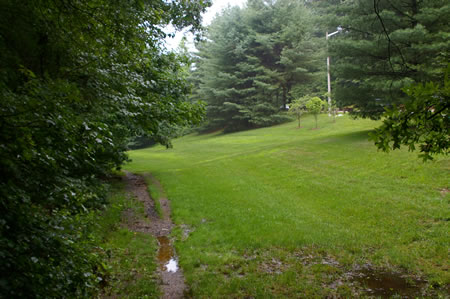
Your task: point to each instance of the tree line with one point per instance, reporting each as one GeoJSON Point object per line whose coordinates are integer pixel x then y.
{"type": "Point", "coordinates": [387, 58]}
{"type": "Point", "coordinates": [254, 61]}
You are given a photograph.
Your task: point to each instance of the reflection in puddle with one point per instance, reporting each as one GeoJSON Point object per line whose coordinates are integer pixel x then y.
{"type": "Point", "coordinates": [386, 284]}
{"type": "Point", "coordinates": [166, 257]}
{"type": "Point", "coordinates": [172, 266]}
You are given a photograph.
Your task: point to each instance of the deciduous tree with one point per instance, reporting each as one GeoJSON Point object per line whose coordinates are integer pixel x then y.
{"type": "Point", "coordinates": [77, 80]}
{"type": "Point", "coordinates": [298, 107]}
{"type": "Point", "coordinates": [423, 121]}
{"type": "Point", "coordinates": [315, 106]}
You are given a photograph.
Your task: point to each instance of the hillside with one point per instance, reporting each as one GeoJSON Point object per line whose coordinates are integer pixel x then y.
{"type": "Point", "coordinates": [283, 211]}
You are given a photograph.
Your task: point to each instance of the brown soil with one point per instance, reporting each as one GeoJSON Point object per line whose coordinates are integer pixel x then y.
{"type": "Point", "coordinates": [172, 283]}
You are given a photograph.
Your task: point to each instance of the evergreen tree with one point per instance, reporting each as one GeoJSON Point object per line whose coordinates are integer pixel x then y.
{"type": "Point", "coordinates": [386, 46]}
{"type": "Point", "coordinates": [251, 62]}
{"type": "Point", "coordinates": [284, 45]}
{"type": "Point", "coordinates": [220, 71]}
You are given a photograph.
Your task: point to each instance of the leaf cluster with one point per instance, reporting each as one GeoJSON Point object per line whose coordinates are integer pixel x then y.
{"type": "Point", "coordinates": [315, 105]}
{"type": "Point", "coordinates": [78, 79]}
{"type": "Point", "coordinates": [423, 121]}
{"type": "Point", "coordinates": [297, 107]}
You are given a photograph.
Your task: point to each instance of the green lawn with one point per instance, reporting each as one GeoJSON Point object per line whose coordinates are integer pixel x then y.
{"type": "Point", "coordinates": [288, 212]}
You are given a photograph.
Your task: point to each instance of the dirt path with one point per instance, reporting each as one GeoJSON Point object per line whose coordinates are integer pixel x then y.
{"type": "Point", "coordinates": [172, 279]}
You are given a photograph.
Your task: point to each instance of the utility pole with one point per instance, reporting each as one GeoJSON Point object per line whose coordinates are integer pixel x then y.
{"type": "Point", "coordinates": [339, 29]}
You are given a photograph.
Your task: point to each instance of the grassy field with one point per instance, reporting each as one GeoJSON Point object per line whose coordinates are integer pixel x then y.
{"type": "Point", "coordinates": [129, 257]}
{"type": "Point", "coordinates": [289, 212]}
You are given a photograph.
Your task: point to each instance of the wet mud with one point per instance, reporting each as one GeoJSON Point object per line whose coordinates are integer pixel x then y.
{"type": "Point", "coordinates": [369, 281]}
{"type": "Point", "coordinates": [385, 284]}
{"type": "Point", "coordinates": [171, 275]}
{"type": "Point", "coordinates": [166, 255]}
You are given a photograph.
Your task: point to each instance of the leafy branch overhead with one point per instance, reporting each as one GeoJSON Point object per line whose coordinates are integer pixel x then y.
{"type": "Point", "coordinates": [423, 121]}
{"type": "Point", "coordinates": [387, 45]}
{"type": "Point", "coordinates": [390, 63]}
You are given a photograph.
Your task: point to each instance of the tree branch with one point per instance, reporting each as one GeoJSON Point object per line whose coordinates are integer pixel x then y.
{"type": "Point", "coordinates": [377, 12]}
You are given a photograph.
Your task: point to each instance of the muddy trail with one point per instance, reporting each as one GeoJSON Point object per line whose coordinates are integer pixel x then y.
{"type": "Point", "coordinates": [172, 280]}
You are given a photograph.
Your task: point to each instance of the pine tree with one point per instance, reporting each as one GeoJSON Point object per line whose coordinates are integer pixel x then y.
{"type": "Point", "coordinates": [222, 72]}
{"type": "Point", "coordinates": [386, 46]}
{"type": "Point", "coordinates": [253, 60]}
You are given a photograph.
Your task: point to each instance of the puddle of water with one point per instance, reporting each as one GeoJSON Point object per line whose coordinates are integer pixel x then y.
{"type": "Point", "coordinates": [386, 284]}
{"type": "Point", "coordinates": [166, 257]}
{"type": "Point", "coordinates": [172, 266]}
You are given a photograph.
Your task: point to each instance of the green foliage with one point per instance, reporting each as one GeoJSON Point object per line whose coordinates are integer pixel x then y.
{"type": "Point", "coordinates": [77, 80]}
{"type": "Point", "coordinates": [386, 45]}
{"type": "Point", "coordinates": [315, 106]}
{"type": "Point", "coordinates": [384, 60]}
{"type": "Point", "coordinates": [253, 60]}
{"type": "Point", "coordinates": [298, 107]}
{"type": "Point", "coordinates": [423, 121]}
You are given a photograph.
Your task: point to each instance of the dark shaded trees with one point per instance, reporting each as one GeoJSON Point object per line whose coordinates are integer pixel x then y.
{"type": "Point", "coordinates": [391, 62]}
{"type": "Point", "coordinates": [223, 71]}
{"type": "Point", "coordinates": [77, 80]}
{"type": "Point", "coordinates": [252, 60]}
{"type": "Point", "coordinates": [387, 45]}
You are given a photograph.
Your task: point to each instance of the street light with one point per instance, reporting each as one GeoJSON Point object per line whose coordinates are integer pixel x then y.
{"type": "Point", "coordinates": [339, 29]}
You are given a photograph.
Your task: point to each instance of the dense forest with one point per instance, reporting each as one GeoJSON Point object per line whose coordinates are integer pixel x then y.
{"type": "Point", "coordinates": [80, 79]}
{"type": "Point", "coordinates": [258, 59]}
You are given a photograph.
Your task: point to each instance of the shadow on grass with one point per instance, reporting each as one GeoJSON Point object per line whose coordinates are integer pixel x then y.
{"type": "Point", "coordinates": [347, 138]}
{"type": "Point", "coordinates": [356, 136]}
{"type": "Point", "coordinates": [240, 128]}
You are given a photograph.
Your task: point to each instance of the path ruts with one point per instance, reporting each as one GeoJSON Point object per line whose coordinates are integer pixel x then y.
{"type": "Point", "coordinates": [172, 280]}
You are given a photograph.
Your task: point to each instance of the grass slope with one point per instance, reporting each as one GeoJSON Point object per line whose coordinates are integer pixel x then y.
{"type": "Point", "coordinates": [267, 207]}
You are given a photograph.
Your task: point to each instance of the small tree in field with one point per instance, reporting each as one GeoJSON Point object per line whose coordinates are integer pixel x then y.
{"type": "Point", "coordinates": [297, 108]}
{"type": "Point", "coordinates": [315, 106]}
